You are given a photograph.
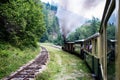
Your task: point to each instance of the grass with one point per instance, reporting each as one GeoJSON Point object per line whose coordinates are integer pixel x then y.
{"type": "Point", "coordinates": [64, 66]}
{"type": "Point", "coordinates": [11, 58]}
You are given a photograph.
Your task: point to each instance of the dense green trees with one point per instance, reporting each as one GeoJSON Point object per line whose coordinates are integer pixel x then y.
{"type": "Point", "coordinates": [21, 22]}
{"type": "Point", "coordinates": [52, 33]}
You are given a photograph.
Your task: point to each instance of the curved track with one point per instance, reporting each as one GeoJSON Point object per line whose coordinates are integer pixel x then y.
{"type": "Point", "coordinates": [29, 71]}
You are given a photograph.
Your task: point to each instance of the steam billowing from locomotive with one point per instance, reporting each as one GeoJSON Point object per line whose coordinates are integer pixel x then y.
{"type": "Point", "coordinates": [73, 13]}
{"type": "Point", "coordinates": [68, 21]}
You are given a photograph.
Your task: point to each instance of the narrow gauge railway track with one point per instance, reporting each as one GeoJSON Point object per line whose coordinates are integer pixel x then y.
{"type": "Point", "coordinates": [29, 71]}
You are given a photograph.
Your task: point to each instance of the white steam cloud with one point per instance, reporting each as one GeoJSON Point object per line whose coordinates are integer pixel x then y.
{"type": "Point", "coordinates": [68, 21]}
{"type": "Point", "coordinates": [73, 13]}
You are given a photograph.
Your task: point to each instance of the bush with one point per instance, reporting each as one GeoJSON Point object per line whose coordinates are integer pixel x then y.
{"type": "Point", "coordinates": [21, 22]}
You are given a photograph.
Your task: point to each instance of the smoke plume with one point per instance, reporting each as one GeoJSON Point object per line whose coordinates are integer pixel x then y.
{"type": "Point", "coordinates": [73, 13]}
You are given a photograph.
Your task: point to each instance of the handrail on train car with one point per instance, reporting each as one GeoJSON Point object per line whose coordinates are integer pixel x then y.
{"type": "Point", "coordinates": [114, 41]}
{"type": "Point", "coordinates": [70, 42]}
{"type": "Point", "coordinates": [109, 8]}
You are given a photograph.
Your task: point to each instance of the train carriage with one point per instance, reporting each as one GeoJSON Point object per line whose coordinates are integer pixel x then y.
{"type": "Point", "coordinates": [89, 51]}
{"type": "Point", "coordinates": [100, 53]}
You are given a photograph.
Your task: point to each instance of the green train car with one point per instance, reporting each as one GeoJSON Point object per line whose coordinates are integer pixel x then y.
{"type": "Point", "coordinates": [101, 54]}
{"type": "Point", "coordinates": [89, 50]}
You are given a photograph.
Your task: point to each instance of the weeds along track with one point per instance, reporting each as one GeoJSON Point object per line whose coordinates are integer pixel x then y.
{"type": "Point", "coordinates": [29, 71]}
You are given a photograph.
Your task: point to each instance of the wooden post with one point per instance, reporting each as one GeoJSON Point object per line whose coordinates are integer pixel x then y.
{"type": "Point", "coordinates": [118, 42]}
{"type": "Point", "coordinates": [100, 51]}
{"type": "Point", "coordinates": [93, 46]}
{"type": "Point", "coordinates": [104, 52]}
{"type": "Point", "coordinates": [101, 54]}
{"type": "Point", "coordinates": [99, 47]}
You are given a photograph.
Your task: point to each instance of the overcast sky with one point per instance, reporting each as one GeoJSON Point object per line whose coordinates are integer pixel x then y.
{"type": "Point", "coordinates": [86, 8]}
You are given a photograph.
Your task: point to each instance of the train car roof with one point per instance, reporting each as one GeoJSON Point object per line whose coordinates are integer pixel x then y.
{"type": "Point", "coordinates": [113, 40]}
{"type": "Point", "coordinates": [93, 36]}
{"type": "Point", "coordinates": [70, 42]}
{"type": "Point", "coordinates": [79, 41]}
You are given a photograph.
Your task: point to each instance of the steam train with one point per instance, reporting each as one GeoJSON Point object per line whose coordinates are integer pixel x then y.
{"type": "Point", "coordinates": [100, 54]}
{"type": "Point", "coordinates": [89, 50]}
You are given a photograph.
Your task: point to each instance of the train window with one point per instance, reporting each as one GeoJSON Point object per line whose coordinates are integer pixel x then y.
{"type": "Point", "coordinates": [77, 48]}
{"type": "Point", "coordinates": [96, 46]}
{"type": "Point", "coordinates": [88, 46]}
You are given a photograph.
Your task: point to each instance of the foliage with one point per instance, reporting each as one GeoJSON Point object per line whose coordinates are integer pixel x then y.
{"type": "Point", "coordinates": [21, 22]}
{"type": "Point", "coordinates": [3, 1]}
{"type": "Point", "coordinates": [52, 33]}
{"type": "Point", "coordinates": [11, 58]}
{"type": "Point", "coordinates": [59, 40]}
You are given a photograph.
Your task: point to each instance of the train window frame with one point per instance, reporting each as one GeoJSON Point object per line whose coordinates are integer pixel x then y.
{"type": "Point", "coordinates": [110, 63]}
{"type": "Point", "coordinates": [117, 56]}
{"type": "Point", "coordinates": [108, 10]}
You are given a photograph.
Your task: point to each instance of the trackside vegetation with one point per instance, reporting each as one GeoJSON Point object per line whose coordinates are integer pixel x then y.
{"type": "Point", "coordinates": [11, 58]}
{"type": "Point", "coordinates": [22, 25]}
{"type": "Point", "coordinates": [64, 66]}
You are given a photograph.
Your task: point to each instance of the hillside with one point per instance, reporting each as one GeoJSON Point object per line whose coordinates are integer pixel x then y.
{"type": "Point", "coordinates": [52, 33]}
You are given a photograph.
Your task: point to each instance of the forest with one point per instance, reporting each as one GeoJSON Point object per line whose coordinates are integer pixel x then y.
{"type": "Point", "coordinates": [21, 22]}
